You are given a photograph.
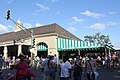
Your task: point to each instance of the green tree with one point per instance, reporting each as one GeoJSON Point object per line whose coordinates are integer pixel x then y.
{"type": "Point", "coordinates": [98, 38]}
{"type": "Point", "coordinates": [89, 38]}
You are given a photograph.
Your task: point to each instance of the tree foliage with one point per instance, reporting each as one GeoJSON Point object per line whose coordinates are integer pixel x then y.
{"type": "Point", "coordinates": [98, 38]}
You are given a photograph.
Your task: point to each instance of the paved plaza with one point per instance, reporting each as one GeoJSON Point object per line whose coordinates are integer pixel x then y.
{"type": "Point", "coordinates": [104, 74]}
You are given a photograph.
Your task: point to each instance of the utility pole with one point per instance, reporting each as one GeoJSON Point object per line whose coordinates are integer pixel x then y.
{"type": "Point", "coordinates": [31, 33]}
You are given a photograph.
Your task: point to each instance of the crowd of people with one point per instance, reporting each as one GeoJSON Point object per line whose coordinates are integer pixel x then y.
{"type": "Point", "coordinates": [20, 64]}
{"type": "Point", "coordinates": [68, 68]}
{"type": "Point", "coordinates": [109, 60]}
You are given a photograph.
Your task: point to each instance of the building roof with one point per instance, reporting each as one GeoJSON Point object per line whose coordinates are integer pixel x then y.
{"type": "Point", "coordinates": [46, 29]}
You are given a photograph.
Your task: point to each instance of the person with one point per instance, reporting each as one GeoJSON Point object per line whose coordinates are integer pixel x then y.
{"type": "Point", "coordinates": [90, 68]}
{"type": "Point", "coordinates": [77, 71]}
{"type": "Point", "coordinates": [7, 60]}
{"type": "Point", "coordinates": [22, 71]}
{"type": "Point", "coordinates": [65, 69]}
{"type": "Point", "coordinates": [114, 59]}
{"type": "Point", "coordinates": [27, 60]}
{"type": "Point", "coordinates": [42, 61]}
{"type": "Point", "coordinates": [1, 62]}
{"type": "Point", "coordinates": [49, 68]}
{"type": "Point", "coordinates": [119, 61]}
{"type": "Point", "coordinates": [56, 62]}
{"type": "Point", "coordinates": [108, 61]}
{"type": "Point", "coordinates": [103, 61]}
{"type": "Point", "coordinates": [37, 62]}
{"type": "Point", "coordinates": [99, 61]}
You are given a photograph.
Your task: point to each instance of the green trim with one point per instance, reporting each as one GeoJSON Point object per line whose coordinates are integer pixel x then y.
{"type": "Point", "coordinates": [80, 43]}
{"type": "Point", "coordinates": [65, 43]}
{"type": "Point", "coordinates": [60, 43]}
{"type": "Point", "coordinates": [74, 44]}
{"type": "Point", "coordinates": [93, 44]}
{"type": "Point", "coordinates": [87, 44]}
{"type": "Point", "coordinates": [42, 48]}
{"type": "Point", "coordinates": [83, 44]}
{"type": "Point", "coordinates": [77, 43]}
{"type": "Point", "coordinates": [69, 44]}
{"type": "Point", "coordinates": [90, 44]}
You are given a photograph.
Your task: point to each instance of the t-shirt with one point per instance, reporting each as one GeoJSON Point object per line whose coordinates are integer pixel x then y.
{"type": "Point", "coordinates": [55, 60]}
{"type": "Point", "coordinates": [65, 66]}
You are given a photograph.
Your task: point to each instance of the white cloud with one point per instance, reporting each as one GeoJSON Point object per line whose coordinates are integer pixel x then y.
{"type": "Point", "coordinates": [54, 0]}
{"type": "Point", "coordinates": [8, 1]}
{"type": "Point", "coordinates": [92, 14]}
{"type": "Point", "coordinates": [112, 23]}
{"type": "Point", "coordinates": [72, 23]}
{"type": "Point", "coordinates": [3, 29]}
{"type": "Point", "coordinates": [116, 45]}
{"type": "Point", "coordinates": [112, 12]}
{"type": "Point", "coordinates": [98, 26]}
{"type": "Point", "coordinates": [71, 29]}
{"type": "Point", "coordinates": [38, 24]}
{"type": "Point", "coordinates": [102, 26]}
{"type": "Point", "coordinates": [86, 27]}
{"type": "Point", "coordinates": [41, 7]}
{"type": "Point", "coordinates": [27, 25]}
{"type": "Point", "coordinates": [76, 19]}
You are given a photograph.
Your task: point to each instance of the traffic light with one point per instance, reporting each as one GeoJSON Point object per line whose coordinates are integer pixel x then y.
{"type": "Point", "coordinates": [8, 15]}
{"type": "Point", "coordinates": [14, 41]}
{"type": "Point", "coordinates": [33, 42]}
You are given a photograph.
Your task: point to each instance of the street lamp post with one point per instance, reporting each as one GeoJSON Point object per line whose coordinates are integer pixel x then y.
{"type": "Point", "coordinates": [21, 27]}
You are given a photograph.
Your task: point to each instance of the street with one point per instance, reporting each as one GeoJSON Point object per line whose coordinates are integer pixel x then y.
{"type": "Point", "coordinates": [104, 74]}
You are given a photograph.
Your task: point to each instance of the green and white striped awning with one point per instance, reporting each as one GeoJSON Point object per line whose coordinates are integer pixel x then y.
{"type": "Point", "coordinates": [42, 47]}
{"type": "Point", "coordinates": [66, 44]}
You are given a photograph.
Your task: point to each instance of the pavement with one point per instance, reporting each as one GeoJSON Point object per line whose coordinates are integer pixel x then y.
{"type": "Point", "coordinates": [104, 74]}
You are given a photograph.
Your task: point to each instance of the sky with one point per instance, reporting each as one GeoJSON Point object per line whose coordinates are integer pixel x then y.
{"type": "Point", "coordinates": [80, 17]}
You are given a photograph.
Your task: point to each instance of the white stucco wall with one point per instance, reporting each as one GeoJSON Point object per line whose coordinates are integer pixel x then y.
{"type": "Point", "coordinates": [51, 42]}
{"type": "Point", "coordinates": [49, 39]}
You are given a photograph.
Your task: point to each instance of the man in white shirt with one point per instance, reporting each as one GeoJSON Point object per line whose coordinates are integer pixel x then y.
{"type": "Point", "coordinates": [65, 69]}
{"type": "Point", "coordinates": [55, 59]}
{"type": "Point", "coordinates": [56, 62]}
